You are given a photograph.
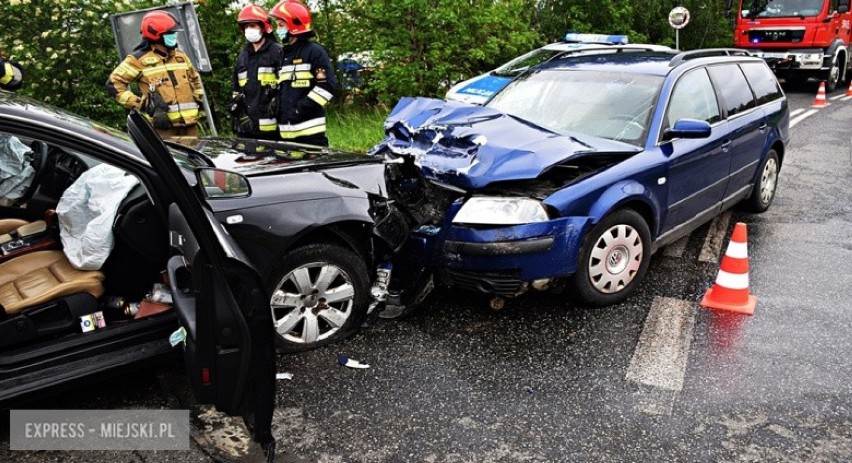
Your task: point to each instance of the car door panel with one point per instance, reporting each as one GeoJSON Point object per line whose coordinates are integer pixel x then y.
{"type": "Point", "coordinates": [697, 168]}
{"type": "Point", "coordinates": [212, 283]}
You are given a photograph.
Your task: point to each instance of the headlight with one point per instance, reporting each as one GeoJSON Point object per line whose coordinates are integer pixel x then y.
{"type": "Point", "coordinates": [501, 211]}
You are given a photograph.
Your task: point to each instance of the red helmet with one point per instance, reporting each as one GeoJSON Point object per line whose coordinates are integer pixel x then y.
{"type": "Point", "coordinates": [295, 15]}
{"type": "Point", "coordinates": [255, 14]}
{"type": "Point", "coordinates": [157, 23]}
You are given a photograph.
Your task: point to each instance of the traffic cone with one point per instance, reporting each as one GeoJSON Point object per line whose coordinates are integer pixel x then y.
{"type": "Point", "coordinates": [730, 292]}
{"type": "Point", "coordinates": [820, 101]}
{"type": "Point", "coordinates": [849, 90]}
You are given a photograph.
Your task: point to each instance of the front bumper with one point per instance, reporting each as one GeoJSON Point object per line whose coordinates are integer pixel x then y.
{"type": "Point", "coordinates": [500, 260]}
{"type": "Point", "coordinates": [805, 59]}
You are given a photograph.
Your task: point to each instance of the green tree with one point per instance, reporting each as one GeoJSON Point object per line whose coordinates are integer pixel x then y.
{"type": "Point", "coordinates": [423, 46]}
{"type": "Point", "coordinates": [67, 50]}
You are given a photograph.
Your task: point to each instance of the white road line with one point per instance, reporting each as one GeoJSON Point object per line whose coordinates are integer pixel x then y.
{"type": "Point", "coordinates": [662, 352]}
{"type": "Point", "coordinates": [676, 249]}
{"type": "Point", "coordinates": [846, 98]}
{"type": "Point", "coordinates": [712, 247]}
{"type": "Point", "coordinates": [799, 118]}
{"type": "Point", "coordinates": [837, 97]}
{"type": "Point", "coordinates": [796, 112]}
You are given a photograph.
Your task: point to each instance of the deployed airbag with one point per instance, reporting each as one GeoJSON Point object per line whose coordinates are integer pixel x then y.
{"type": "Point", "coordinates": [87, 212]}
{"type": "Point", "coordinates": [16, 171]}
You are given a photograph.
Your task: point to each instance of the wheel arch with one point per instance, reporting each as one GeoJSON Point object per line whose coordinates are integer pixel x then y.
{"type": "Point", "coordinates": [631, 195]}
{"type": "Point", "coordinates": [353, 235]}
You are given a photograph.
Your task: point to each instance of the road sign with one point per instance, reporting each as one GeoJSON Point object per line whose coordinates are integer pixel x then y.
{"type": "Point", "coordinates": [679, 17]}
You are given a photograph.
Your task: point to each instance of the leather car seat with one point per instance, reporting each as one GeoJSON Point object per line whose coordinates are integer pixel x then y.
{"type": "Point", "coordinates": [42, 276]}
{"type": "Point", "coordinates": [7, 225]}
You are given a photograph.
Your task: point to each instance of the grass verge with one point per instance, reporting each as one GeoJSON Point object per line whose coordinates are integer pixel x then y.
{"type": "Point", "coordinates": [355, 128]}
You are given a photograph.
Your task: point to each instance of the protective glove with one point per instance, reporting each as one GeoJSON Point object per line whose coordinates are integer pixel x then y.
{"type": "Point", "coordinates": [161, 120]}
{"type": "Point", "coordinates": [243, 125]}
{"type": "Point", "coordinates": [237, 104]}
{"type": "Point", "coordinates": [271, 95]}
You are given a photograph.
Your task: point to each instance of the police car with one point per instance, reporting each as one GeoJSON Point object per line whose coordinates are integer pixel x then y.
{"type": "Point", "coordinates": [480, 88]}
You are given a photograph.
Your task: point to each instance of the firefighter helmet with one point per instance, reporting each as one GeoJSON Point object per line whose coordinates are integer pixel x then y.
{"type": "Point", "coordinates": [295, 15]}
{"type": "Point", "coordinates": [255, 14]}
{"type": "Point", "coordinates": [157, 23]}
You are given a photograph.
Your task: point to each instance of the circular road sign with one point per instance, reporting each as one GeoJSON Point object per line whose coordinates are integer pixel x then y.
{"type": "Point", "coordinates": [679, 17]}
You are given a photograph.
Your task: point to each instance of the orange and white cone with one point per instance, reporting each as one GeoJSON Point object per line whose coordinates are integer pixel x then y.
{"type": "Point", "coordinates": [820, 101]}
{"type": "Point", "coordinates": [730, 292]}
{"type": "Point", "coordinates": [849, 90]}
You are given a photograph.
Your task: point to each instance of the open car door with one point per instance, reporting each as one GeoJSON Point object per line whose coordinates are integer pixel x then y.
{"type": "Point", "coordinates": [214, 288]}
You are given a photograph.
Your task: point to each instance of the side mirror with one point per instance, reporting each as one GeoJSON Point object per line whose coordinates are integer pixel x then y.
{"type": "Point", "coordinates": [219, 183]}
{"type": "Point", "coordinates": [687, 128]}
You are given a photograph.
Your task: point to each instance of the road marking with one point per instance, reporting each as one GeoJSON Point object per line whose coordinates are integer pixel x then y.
{"type": "Point", "coordinates": [837, 97]}
{"type": "Point", "coordinates": [662, 352]}
{"type": "Point", "coordinates": [676, 249]}
{"type": "Point", "coordinates": [712, 247]}
{"type": "Point", "coordinates": [796, 112]}
{"type": "Point", "coordinates": [800, 117]}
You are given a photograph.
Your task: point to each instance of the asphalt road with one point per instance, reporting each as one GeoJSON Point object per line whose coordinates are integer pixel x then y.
{"type": "Point", "coordinates": [654, 379]}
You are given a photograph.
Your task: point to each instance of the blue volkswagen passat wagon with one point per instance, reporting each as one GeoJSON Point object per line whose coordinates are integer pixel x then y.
{"type": "Point", "coordinates": [578, 170]}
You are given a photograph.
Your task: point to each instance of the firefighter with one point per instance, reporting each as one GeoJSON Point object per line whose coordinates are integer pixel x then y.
{"type": "Point", "coordinates": [254, 107]}
{"type": "Point", "coordinates": [306, 78]}
{"type": "Point", "coordinates": [11, 75]}
{"type": "Point", "coordinates": [170, 86]}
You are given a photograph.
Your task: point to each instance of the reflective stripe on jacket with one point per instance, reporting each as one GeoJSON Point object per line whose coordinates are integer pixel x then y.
{"type": "Point", "coordinates": [172, 76]}
{"type": "Point", "coordinates": [307, 84]}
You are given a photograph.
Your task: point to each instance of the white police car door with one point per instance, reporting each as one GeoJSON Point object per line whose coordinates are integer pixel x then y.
{"type": "Point", "coordinates": [213, 285]}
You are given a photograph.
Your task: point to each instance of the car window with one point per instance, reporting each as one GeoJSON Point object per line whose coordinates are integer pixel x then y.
{"type": "Point", "coordinates": [607, 104]}
{"type": "Point", "coordinates": [519, 64]}
{"type": "Point", "coordinates": [730, 82]}
{"type": "Point", "coordinates": [764, 84]}
{"type": "Point", "coordinates": [693, 97]}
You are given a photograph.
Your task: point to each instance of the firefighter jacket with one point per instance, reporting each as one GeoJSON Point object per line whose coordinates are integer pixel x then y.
{"type": "Point", "coordinates": [172, 76]}
{"type": "Point", "coordinates": [256, 78]}
{"type": "Point", "coordinates": [11, 75]}
{"type": "Point", "coordinates": [307, 84]}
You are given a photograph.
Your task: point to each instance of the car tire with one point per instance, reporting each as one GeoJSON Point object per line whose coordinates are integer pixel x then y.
{"type": "Point", "coordinates": [613, 259]}
{"type": "Point", "coordinates": [303, 316]}
{"type": "Point", "coordinates": [764, 188]}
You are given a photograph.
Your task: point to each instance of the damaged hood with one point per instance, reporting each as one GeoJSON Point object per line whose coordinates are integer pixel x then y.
{"type": "Point", "coordinates": [470, 146]}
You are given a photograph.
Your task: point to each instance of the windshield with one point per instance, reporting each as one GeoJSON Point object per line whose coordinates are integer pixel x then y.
{"type": "Point", "coordinates": [606, 104]}
{"type": "Point", "coordinates": [780, 8]}
{"type": "Point", "coordinates": [521, 63]}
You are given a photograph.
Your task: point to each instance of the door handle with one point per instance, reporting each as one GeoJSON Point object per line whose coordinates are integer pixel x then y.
{"type": "Point", "coordinates": [726, 145]}
{"type": "Point", "coordinates": [763, 127]}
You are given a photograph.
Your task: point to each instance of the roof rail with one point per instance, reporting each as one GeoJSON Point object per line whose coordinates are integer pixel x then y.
{"type": "Point", "coordinates": [609, 50]}
{"type": "Point", "coordinates": [707, 52]}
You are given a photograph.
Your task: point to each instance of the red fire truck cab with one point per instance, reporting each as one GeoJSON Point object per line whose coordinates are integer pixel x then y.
{"type": "Point", "coordinates": [799, 39]}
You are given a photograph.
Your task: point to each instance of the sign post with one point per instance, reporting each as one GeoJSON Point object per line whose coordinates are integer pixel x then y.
{"type": "Point", "coordinates": [678, 19]}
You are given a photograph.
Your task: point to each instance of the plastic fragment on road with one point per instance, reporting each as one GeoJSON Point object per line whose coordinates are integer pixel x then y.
{"type": "Point", "coordinates": [179, 336]}
{"type": "Point", "coordinates": [351, 363]}
{"type": "Point", "coordinates": [288, 376]}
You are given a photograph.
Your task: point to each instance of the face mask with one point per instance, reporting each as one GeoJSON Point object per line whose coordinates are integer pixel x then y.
{"type": "Point", "coordinates": [253, 35]}
{"type": "Point", "coordinates": [282, 33]}
{"type": "Point", "coordinates": [170, 40]}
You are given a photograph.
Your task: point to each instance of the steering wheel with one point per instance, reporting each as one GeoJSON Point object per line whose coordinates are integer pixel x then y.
{"type": "Point", "coordinates": [40, 151]}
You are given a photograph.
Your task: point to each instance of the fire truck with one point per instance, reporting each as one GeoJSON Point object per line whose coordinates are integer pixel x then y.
{"type": "Point", "coordinates": [801, 40]}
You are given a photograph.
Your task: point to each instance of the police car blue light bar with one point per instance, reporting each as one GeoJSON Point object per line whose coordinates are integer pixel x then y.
{"type": "Point", "coordinates": [596, 38]}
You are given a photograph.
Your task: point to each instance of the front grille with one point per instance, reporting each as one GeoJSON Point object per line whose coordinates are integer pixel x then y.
{"type": "Point", "coordinates": [776, 35]}
{"type": "Point", "coordinates": [498, 283]}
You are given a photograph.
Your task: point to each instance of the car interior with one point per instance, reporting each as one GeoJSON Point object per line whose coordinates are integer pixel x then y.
{"type": "Point", "coordinates": [44, 298]}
